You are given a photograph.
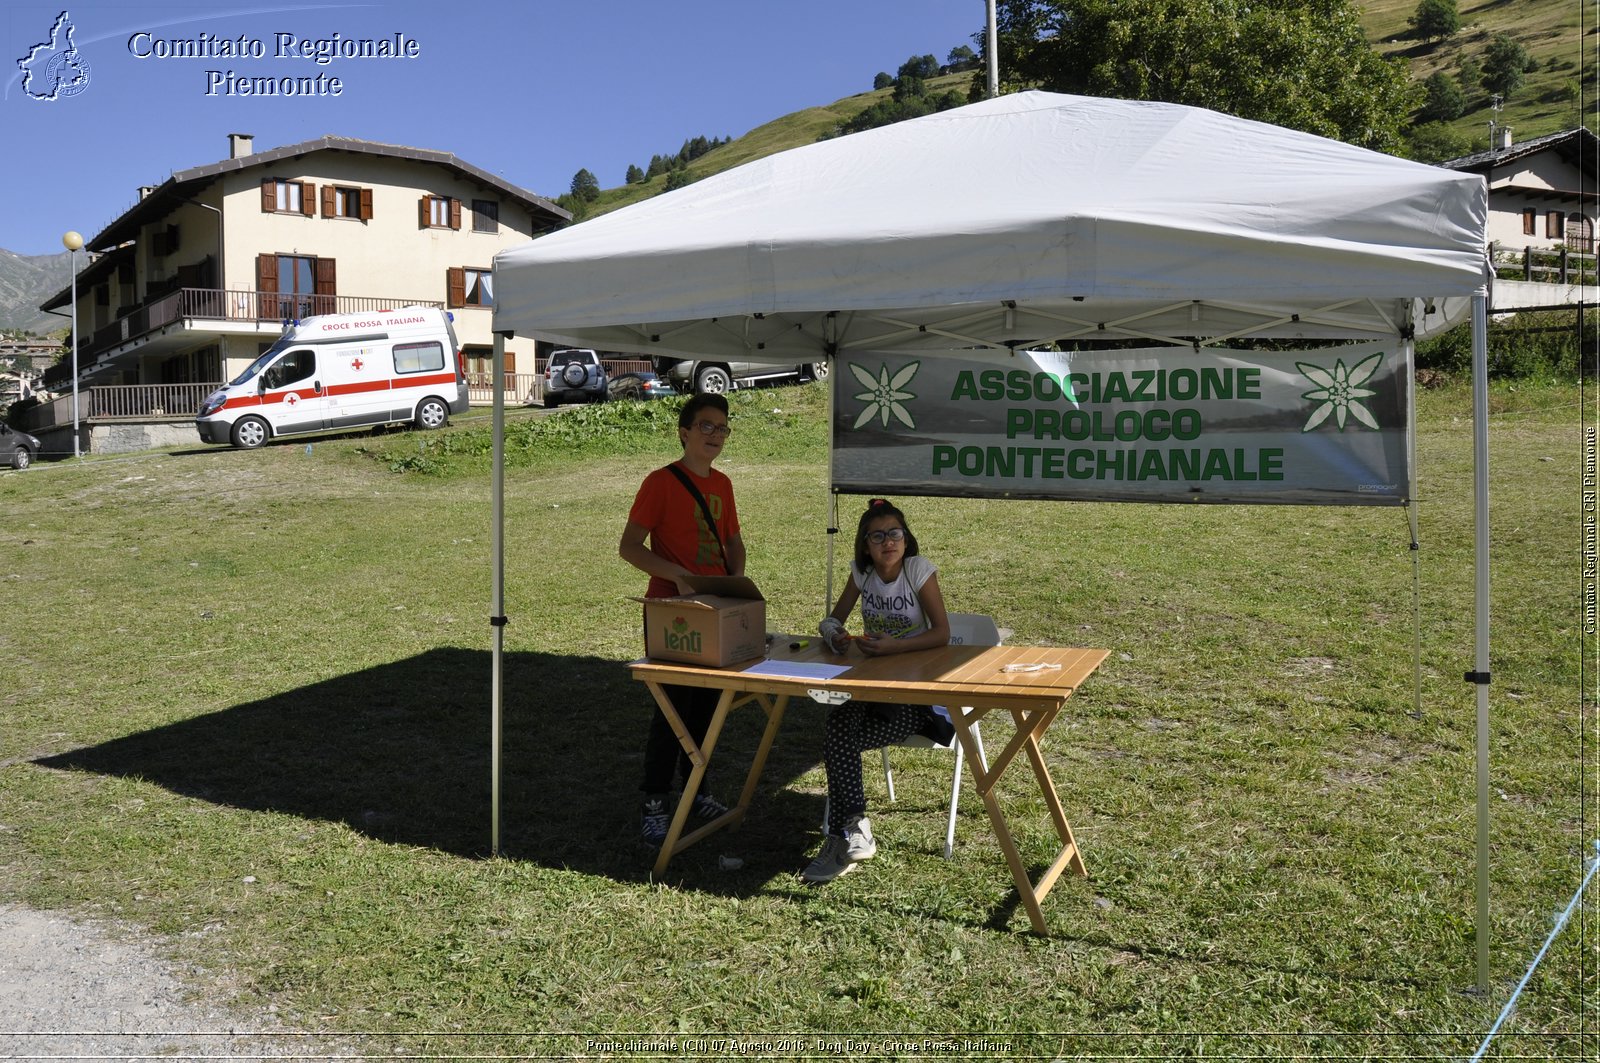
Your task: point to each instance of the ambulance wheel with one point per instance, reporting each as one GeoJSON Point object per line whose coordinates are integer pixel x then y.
{"type": "Point", "coordinates": [432, 413]}
{"type": "Point", "coordinates": [250, 432]}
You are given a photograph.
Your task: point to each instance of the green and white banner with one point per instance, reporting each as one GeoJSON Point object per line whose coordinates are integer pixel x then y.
{"type": "Point", "coordinates": [1317, 427]}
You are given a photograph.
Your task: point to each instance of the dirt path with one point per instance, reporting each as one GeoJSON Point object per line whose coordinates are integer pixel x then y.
{"type": "Point", "coordinates": [73, 990]}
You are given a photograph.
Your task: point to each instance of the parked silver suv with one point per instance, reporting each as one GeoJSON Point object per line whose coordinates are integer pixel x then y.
{"type": "Point", "coordinates": [574, 373]}
{"type": "Point", "coordinates": [718, 377]}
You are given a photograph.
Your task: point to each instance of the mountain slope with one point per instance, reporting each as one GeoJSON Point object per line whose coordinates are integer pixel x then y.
{"type": "Point", "coordinates": [25, 282]}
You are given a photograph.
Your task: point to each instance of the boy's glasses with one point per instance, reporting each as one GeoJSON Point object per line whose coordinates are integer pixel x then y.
{"type": "Point", "coordinates": [711, 428]}
{"type": "Point", "coordinates": [891, 535]}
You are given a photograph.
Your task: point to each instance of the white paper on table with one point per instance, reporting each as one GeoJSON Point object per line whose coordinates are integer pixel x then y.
{"type": "Point", "coordinates": [798, 669]}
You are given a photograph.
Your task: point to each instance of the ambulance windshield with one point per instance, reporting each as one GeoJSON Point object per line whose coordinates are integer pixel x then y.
{"type": "Point", "coordinates": [260, 363]}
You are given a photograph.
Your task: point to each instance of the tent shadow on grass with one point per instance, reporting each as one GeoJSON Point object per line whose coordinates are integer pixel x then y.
{"type": "Point", "coordinates": [401, 753]}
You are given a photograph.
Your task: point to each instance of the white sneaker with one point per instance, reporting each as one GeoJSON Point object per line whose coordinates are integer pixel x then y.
{"type": "Point", "coordinates": [859, 843]}
{"type": "Point", "coordinates": [832, 862]}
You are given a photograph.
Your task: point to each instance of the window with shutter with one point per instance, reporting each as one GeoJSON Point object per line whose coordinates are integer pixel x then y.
{"type": "Point", "coordinates": [440, 212]}
{"type": "Point", "coordinates": [485, 216]}
{"type": "Point", "coordinates": [288, 197]}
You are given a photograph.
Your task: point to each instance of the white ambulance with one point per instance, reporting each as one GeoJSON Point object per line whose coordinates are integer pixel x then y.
{"type": "Point", "coordinates": [343, 371]}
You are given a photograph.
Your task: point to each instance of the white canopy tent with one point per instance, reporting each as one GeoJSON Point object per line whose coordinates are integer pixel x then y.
{"type": "Point", "coordinates": [1017, 222]}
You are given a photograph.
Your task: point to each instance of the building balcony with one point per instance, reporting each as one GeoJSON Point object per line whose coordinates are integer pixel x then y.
{"type": "Point", "coordinates": [177, 319]}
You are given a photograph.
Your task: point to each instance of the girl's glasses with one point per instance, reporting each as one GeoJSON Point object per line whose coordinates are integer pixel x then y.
{"type": "Point", "coordinates": [891, 535]}
{"type": "Point", "coordinates": [710, 428]}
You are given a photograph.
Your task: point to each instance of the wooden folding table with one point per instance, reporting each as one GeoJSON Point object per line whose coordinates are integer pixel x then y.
{"type": "Point", "coordinates": [1030, 683]}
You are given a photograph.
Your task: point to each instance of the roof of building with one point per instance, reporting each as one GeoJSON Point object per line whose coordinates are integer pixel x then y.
{"type": "Point", "coordinates": [183, 184]}
{"type": "Point", "coordinates": [1575, 146]}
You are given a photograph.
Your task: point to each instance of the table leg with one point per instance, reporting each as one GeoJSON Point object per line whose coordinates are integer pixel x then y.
{"type": "Point", "coordinates": [1029, 726]}
{"type": "Point", "coordinates": [774, 717]}
{"type": "Point", "coordinates": [699, 757]}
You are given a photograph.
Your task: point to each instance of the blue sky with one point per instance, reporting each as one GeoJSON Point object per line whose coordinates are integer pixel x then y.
{"type": "Point", "coordinates": [530, 91]}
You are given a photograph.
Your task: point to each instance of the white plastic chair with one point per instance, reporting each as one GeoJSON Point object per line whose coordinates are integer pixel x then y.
{"type": "Point", "coordinates": [969, 629]}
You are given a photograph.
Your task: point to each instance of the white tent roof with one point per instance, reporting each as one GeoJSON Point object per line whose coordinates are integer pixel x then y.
{"type": "Point", "coordinates": [1023, 219]}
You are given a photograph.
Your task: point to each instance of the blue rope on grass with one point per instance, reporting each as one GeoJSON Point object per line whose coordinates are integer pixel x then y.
{"type": "Point", "coordinates": [1561, 921]}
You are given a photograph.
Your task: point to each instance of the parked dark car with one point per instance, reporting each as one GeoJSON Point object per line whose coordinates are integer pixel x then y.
{"type": "Point", "coordinates": [641, 385]}
{"type": "Point", "coordinates": [17, 449]}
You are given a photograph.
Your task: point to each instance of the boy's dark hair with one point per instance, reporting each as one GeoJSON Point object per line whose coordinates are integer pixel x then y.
{"type": "Point", "coordinates": [699, 401]}
{"type": "Point", "coordinates": [880, 507]}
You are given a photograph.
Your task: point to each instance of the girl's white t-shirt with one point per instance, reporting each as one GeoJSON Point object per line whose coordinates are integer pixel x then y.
{"type": "Point", "coordinates": [893, 610]}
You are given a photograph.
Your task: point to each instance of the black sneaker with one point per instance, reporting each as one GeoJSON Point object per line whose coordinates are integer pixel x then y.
{"type": "Point", "coordinates": [707, 807]}
{"type": "Point", "coordinates": [655, 819]}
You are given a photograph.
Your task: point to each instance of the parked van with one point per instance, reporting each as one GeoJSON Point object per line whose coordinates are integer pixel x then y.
{"type": "Point", "coordinates": [343, 371]}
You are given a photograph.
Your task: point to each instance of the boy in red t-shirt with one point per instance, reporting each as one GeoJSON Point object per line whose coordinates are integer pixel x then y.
{"type": "Point", "coordinates": [683, 543]}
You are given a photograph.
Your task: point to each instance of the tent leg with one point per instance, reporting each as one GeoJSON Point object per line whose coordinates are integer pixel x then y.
{"type": "Point", "coordinates": [832, 507]}
{"type": "Point", "coordinates": [1409, 353]}
{"type": "Point", "coordinates": [1480, 673]}
{"type": "Point", "coordinates": [497, 591]}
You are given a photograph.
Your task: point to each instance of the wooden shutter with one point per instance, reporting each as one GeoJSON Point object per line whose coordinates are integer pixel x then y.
{"type": "Point", "coordinates": [266, 273]}
{"type": "Point", "coordinates": [322, 273]}
{"type": "Point", "coordinates": [308, 198]}
{"type": "Point", "coordinates": [422, 212]}
{"type": "Point", "coordinates": [366, 204]}
{"type": "Point", "coordinates": [455, 213]}
{"type": "Point", "coordinates": [329, 207]}
{"type": "Point", "coordinates": [511, 362]}
{"type": "Point", "coordinates": [325, 281]}
{"type": "Point", "coordinates": [455, 285]}
{"type": "Point", "coordinates": [269, 195]}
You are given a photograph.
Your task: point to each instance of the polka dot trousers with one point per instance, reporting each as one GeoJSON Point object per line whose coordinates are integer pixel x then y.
{"type": "Point", "coordinates": [851, 729]}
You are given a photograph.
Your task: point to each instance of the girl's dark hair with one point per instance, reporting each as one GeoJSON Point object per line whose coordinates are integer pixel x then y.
{"type": "Point", "coordinates": [880, 507]}
{"type": "Point", "coordinates": [697, 402]}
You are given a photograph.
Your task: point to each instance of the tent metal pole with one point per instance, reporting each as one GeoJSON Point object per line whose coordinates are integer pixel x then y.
{"type": "Point", "coordinates": [990, 46]}
{"type": "Point", "coordinates": [497, 592]}
{"type": "Point", "coordinates": [1480, 673]}
{"type": "Point", "coordinates": [832, 506]}
{"type": "Point", "coordinates": [1408, 348]}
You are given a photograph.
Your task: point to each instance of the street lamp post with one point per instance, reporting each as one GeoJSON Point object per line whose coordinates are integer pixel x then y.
{"type": "Point", "coordinates": [74, 243]}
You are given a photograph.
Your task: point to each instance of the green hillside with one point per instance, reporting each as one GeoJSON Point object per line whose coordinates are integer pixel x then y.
{"type": "Point", "coordinates": [780, 134]}
{"type": "Point", "coordinates": [1548, 101]}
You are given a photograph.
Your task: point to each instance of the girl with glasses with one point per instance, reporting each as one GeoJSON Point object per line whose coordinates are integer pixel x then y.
{"type": "Point", "coordinates": [902, 610]}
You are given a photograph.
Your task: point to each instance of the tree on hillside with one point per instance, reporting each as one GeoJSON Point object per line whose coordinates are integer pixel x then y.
{"type": "Point", "coordinates": [1505, 62]}
{"type": "Point", "coordinates": [919, 66]}
{"type": "Point", "coordinates": [585, 186]}
{"type": "Point", "coordinates": [635, 175]}
{"type": "Point", "coordinates": [1444, 102]}
{"type": "Point", "coordinates": [1304, 64]}
{"type": "Point", "coordinates": [961, 57]}
{"type": "Point", "coordinates": [883, 80]}
{"type": "Point", "coordinates": [1469, 74]}
{"type": "Point", "coordinates": [1436, 20]}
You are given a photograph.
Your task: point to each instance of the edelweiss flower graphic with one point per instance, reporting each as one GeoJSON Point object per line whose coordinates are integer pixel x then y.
{"type": "Point", "coordinates": [1340, 392]}
{"type": "Point", "coordinates": [885, 395]}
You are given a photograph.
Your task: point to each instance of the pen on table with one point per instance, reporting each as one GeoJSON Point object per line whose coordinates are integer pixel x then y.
{"type": "Point", "coordinates": [800, 644]}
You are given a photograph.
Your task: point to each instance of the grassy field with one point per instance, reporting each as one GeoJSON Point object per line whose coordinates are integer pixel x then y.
{"type": "Point", "coordinates": [248, 703]}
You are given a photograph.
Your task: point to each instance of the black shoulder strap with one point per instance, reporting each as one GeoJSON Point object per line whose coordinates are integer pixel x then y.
{"type": "Point", "coordinates": [711, 522]}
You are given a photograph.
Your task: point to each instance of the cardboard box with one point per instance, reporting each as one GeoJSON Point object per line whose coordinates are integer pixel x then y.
{"type": "Point", "coordinates": [723, 621]}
